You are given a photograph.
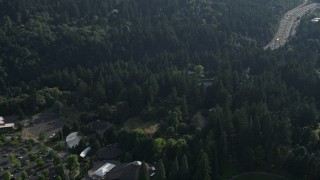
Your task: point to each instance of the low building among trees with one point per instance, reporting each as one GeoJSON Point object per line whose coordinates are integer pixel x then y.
{"type": "Point", "coordinates": [84, 153]}
{"type": "Point", "coordinates": [6, 126]}
{"type": "Point", "coordinates": [101, 172]}
{"type": "Point", "coordinates": [120, 171]}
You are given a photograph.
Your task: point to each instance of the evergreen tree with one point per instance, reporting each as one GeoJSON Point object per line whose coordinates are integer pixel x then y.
{"type": "Point", "coordinates": [174, 170]}
{"type": "Point", "coordinates": [73, 164]}
{"type": "Point", "coordinates": [212, 149]}
{"type": "Point", "coordinates": [76, 125]}
{"type": "Point", "coordinates": [23, 175]}
{"type": "Point", "coordinates": [152, 88]}
{"type": "Point", "coordinates": [59, 169]}
{"type": "Point", "coordinates": [21, 114]}
{"type": "Point", "coordinates": [7, 176]}
{"type": "Point", "coordinates": [3, 86]}
{"type": "Point", "coordinates": [284, 130]}
{"type": "Point", "coordinates": [223, 149]}
{"type": "Point", "coordinates": [203, 168]}
{"type": "Point", "coordinates": [175, 116]}
{"type": "Point", "coordinates": [143, 172]}
{"type": "Point", "coordinates": [160, 171]}
{"type": "Point", "coordinates": [184, 168]}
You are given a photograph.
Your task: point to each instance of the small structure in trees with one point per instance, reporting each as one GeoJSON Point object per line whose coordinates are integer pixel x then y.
{"type": "Point", "coordinates": [84, 153]}
{"type": "Point", "coordinates": [73, 139]}
{"type": "Point", "coordinates": [116, 170]}
{"type": "Point", "coordinates": [4, 125]}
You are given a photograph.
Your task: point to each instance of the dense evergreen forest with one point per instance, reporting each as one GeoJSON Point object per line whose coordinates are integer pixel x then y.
{"type": "Point", "coordinates": [165, 61]}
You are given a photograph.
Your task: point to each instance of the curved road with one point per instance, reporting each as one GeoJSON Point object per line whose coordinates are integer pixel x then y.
{"type": "Point", "coordinates": [288, 24]}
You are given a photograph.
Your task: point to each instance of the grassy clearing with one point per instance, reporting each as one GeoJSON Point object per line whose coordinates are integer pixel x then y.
{"type": "Point", "coordinates": [149, 127]}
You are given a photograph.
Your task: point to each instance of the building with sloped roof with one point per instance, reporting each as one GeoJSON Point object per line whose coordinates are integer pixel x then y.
{"type": "Point", "coordinates": [114, 170]}
{"type": "Point", "coordinates": [103, 170]}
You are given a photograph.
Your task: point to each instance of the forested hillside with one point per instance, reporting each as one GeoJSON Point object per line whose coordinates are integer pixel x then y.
{"type": "Point", "coordinates": [164, 61]}
{"type": "Point", "coordinates": [42, 37]}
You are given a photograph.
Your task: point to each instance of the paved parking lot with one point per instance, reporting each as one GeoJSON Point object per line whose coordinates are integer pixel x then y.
{"type": "Point", "coordinates": [45, 122]}
{"type": "Point", "coordinates": [32, 169]}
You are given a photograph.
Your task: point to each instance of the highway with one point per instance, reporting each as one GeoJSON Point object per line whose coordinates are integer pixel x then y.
{"type": "Point", "coordinates": [289, 23]}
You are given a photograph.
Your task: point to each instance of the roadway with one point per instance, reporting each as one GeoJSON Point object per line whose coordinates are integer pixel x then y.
{"type": "Point", "coordinates": [289, 23]}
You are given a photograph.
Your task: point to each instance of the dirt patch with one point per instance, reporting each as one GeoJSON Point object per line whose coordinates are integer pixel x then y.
{"type": "Point", "coordinates": [149, 127]}
{"type": "Point", "coordinates": [199, 120]}
{"type": "Point", "coordinates": [44, 122]}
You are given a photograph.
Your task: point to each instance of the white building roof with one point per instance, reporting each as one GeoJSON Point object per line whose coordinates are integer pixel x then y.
{"type": "Point", "coordinates": [137, 163]}
{"type": "Point", "coordinates": [73, 139]}
{"type": "Point", "coordinates": [1, 120]}
{"type": "Point", "coordinates": [8, 125]}
{"type": "Point", "coordinates": [102, 171]}
{"type": "Point", "coordinates": [85, 152]}
{"type": "Point", "coordinates": [315, 19]}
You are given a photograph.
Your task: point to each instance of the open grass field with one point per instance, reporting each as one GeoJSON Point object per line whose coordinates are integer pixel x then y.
{"type": "Point", "coordinates": [258, 176]}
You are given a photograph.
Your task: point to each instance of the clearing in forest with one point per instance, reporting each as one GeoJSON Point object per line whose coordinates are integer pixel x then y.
{"type": "Point", "coordinates": [149, 127]}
